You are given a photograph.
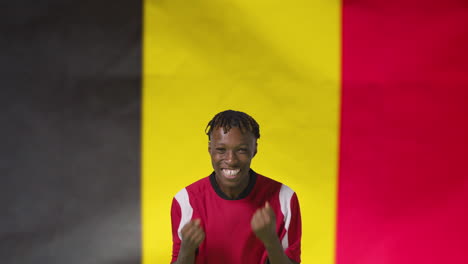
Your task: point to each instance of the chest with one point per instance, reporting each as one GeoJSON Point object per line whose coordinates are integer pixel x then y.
{"type": "Point", "coordinates": [228, 235]}
{"type": "Point", "coordinates": [225, 217]}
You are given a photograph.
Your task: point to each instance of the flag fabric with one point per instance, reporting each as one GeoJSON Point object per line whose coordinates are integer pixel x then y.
{"type": "Point", "coordinates": [70, 101]}
{"type": "Point", "coordinates": [362, 108]}
{"type": "Point", "coordinates": [403, 178]}
{"type": "Point", "coordinates": [280, 64]}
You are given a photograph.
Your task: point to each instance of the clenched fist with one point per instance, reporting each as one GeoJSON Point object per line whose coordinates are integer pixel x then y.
{"type": "Point", "coordinates": [192, 235]}
{"type": "Point", "coordinates": [263, 224]}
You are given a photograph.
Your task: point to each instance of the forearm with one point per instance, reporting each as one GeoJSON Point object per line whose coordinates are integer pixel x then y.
{"type": "Point", "coordinates": [185, 257]}
{"type": "Point", "coordinates": [276, 253]}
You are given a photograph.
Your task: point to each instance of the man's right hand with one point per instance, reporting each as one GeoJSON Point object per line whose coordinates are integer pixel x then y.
{"type": "Point", "coordinates": [192, 236]}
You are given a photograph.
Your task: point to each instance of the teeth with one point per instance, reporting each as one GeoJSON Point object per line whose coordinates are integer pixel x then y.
{"type": "Point", "coordinates": [230, 172]}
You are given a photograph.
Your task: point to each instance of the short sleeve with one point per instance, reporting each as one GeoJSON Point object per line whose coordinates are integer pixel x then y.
{"type": "Point", "coordinates": [175, 220]}
{"type": "Point", "coordinates": [293, 251]}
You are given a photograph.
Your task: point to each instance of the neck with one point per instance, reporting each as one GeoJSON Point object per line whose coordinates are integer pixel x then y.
{"type": "Point", "coordinates": [234, 192]}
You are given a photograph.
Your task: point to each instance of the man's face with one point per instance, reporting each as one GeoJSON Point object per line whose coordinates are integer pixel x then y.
{"type": "Point", "coordinates": [231, 154]}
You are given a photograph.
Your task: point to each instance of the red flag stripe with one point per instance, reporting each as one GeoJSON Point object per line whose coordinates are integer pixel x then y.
{"type": "Point", "coordinates": [403, 178]}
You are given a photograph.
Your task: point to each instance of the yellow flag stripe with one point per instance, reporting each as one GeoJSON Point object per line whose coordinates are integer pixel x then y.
{"type": "Point", "coordinates": [279, 63]}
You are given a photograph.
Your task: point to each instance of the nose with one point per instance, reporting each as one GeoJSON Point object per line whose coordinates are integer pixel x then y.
{"type": "Point", "coordinates": [231, 158]}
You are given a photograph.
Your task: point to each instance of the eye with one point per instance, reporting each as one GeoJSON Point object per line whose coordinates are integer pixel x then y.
{"type": "Point", "coordinates": [243, 150]}
{"type": "Point", "coordinates": [220, 150]}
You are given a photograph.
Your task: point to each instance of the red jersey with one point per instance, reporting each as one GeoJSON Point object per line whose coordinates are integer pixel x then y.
{"type": "Point", "coordinates": [229, 238]}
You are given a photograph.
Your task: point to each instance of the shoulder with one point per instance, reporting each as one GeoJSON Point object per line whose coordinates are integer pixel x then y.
{"type": "Point", "coordinates": [266, 181]}
{"type": "Point", "coordinates": [281, 194]}
{"type": "Point", "coordinates": [269, 183]}
{"type": "Point", "coordinates": [195, 189]}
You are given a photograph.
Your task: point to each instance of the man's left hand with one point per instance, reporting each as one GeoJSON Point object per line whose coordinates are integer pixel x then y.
{"type": "Point", "coordinates": [263, 224]}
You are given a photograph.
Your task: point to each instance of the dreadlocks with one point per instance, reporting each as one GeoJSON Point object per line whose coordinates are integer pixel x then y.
{"type": "Point", "coordinates": [229, 119]}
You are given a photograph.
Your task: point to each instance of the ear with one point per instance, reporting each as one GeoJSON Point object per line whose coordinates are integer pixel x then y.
{"type": "Point", "coordinates": [209, 147]}
{"type": "Point", "coordinates": [255, 151]}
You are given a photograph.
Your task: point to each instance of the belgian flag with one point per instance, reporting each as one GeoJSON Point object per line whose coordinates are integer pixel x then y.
{"type": "Point", "coordinates": [362, 106]}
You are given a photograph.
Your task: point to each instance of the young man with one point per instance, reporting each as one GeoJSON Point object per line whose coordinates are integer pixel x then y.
{"type": "Point", "coordinates": [235, 216]}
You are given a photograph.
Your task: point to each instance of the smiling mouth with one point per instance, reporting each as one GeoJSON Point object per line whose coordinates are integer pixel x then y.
{"type": "Point", "coordinates": [230, 173]}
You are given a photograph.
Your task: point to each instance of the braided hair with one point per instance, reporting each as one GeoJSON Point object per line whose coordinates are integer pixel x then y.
{"type": "Point", "coordinates": [229, 119]}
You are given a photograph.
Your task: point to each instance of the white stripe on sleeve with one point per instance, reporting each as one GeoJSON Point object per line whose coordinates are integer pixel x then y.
{"type": "Point", "coordinates": [186, 209]}
{"type": "Point", "coordinates": [285, 195]}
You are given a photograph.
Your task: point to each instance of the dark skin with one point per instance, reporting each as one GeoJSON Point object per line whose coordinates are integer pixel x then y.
{"type": "Point", "coordinates": [231, 154]}
{"type": "Point", "coordinates": [232, 151]}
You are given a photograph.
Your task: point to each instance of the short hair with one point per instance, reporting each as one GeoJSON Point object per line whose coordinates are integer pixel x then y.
{"type": "Point", "coordinates": [229, 119]}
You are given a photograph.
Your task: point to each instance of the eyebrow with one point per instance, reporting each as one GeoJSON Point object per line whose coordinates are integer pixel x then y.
{"type": "Point", "coordinates": [222, 144]}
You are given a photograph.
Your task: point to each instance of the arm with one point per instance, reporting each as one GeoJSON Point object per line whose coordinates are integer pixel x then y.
{"type": "Point", "coordinates": [185, 258]}
{"type": "Point", "coordinates": [263, 224]}
{"type": "Point", "coordinates": [276, 253]}
{"type": "Point", "coordinates": [192, 236]}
